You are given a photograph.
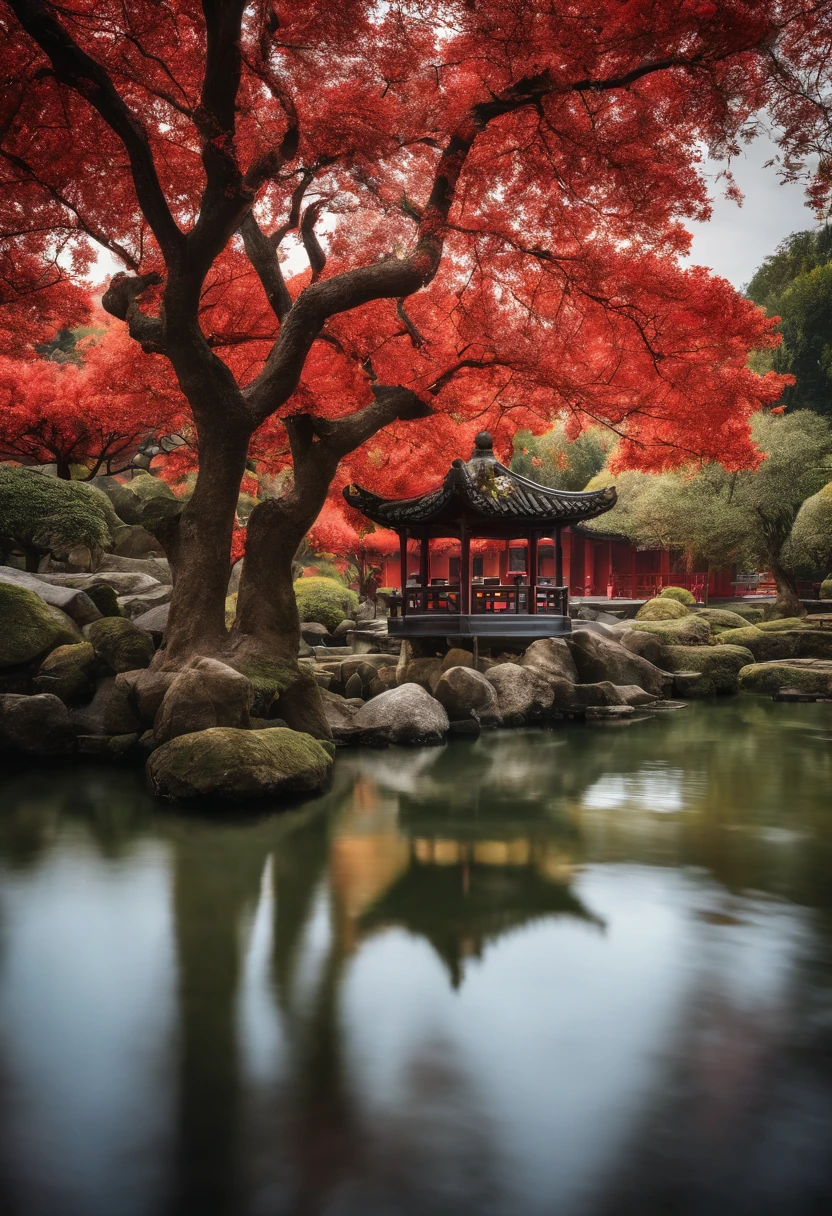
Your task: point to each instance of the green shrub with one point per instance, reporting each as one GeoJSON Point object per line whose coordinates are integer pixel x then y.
{"type": "Point", "coordinates": [325, 601]}
{"type": "Point", "coordinates": [680, 594]}
{"type": "Point", "coordinates": [45, 513]}
{"type": "Point", "coordinates": [826, 588]}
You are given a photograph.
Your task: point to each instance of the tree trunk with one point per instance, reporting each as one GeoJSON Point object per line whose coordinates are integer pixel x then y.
{"type": "Point", "coordinates": [200, 554]}
{"type": "Point", "coordinates": [787, 603]}
{"type": "Point", "coordinates": [63, 470]}
{"type": "Point", "coordinates": [266, 634]}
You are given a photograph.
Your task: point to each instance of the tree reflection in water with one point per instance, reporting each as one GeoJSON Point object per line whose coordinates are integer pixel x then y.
{"type": "Point", "coordinates": [584, 970]}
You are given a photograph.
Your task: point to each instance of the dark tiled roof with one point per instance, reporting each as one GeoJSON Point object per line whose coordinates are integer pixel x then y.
{"type": "Point", "coordinates": [483, 490]}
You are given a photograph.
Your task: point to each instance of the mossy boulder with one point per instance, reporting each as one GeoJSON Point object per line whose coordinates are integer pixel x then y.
{"type": "Point", "coordinates": [29, 627]}
{"type": "Point", "coordinates": [237, 766]}
{"type": "Point", "coordinates": [144, 499]}
{"type": "Point", "coordinates": [812, 676]}
{"type": "Point", "coordinates": [721, 618]}
{"type": "Point", "coordinates": [119, 644]}
{"type": "Point", "coordinates": [326, 601]}
{"type": "Point", "coordinates": [205, 694]}
{"type": "Point", "coordinates": [268, 679]}
{"type": "Point", "coordinates": [690, 630]}
{"type": "Point", "coordinates": [680, 594]}
{"type": "Point", "coordinates": [749, 613]}
{"type": "Point", "coordinates": [762, 645]}
{"type": "Point", "coordinates": [105, 599]}
{"type": "Point", "coordinates": [718, 667]}
{"type": "Point", "coordinates": [68, 672]}
{"type": "Point", "coordinates": [779, 623]}
{"type": "Point", "coordinates": [662, 610]}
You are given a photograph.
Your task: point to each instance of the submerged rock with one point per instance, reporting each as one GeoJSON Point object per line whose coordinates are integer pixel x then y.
{"type": "Point", "coordinates": [805, 675]}
{"type": "Point", "coordinates": [718, 668]}
{"type": "Point", "coordinates": [239, 765]}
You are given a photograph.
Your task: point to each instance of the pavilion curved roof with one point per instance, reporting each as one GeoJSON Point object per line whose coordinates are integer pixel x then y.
{"type": "Point", "coordinates": [483, 491]}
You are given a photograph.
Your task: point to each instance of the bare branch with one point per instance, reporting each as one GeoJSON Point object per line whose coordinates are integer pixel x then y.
{"type": "Point", "coordinates": [121, 299]}
{"type": "Point", "coordinates": [263, 256]}
{"type": "Point", "coordinates": [316, 255]}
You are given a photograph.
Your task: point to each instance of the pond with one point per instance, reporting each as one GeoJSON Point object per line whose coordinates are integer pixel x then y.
{"type": "Point", "coordinates": [583, 971]}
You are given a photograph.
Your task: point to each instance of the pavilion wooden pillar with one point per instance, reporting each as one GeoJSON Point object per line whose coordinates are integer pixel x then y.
{"type": "Point", "coordinates": [424, 571]}
{"type": "Point", "coordinates": [532, 608]}
{"type": "Point", "coordinates": [403, 568]}
{"type": "Point", "coordinates": [558, 559]}
{"type": "Point", "coordinates": [465, 572]}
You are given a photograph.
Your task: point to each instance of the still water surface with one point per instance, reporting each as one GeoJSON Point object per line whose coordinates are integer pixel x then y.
{"type": "Point", "coordinates": [585, 972]}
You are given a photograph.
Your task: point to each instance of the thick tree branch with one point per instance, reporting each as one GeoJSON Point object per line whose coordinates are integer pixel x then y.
{"type": "Point", "coordinates": [74, 68]}
{"type": "Point", "coordinates": [263, 256]}
{"type": "Point", "coordinates": [121, 299]}
{"type": "Point", "coordinates": [314, 251]}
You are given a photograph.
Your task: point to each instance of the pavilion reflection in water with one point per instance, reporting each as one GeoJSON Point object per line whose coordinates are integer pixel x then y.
{"type": "Point", "coordinates": [482, 498]}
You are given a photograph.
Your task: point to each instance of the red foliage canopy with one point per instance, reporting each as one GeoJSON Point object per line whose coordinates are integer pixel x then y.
{"type": "Point", "coordinates": [500, 189]}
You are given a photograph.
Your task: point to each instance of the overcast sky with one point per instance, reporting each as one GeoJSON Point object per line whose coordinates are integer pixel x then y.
{"type": "Point", "coordinates": [737, 239]}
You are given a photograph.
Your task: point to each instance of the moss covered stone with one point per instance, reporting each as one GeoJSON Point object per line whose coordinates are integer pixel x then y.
{"type": "Point", "coordinates": [239, 765]}
{"type": "Point", "coordinates": [120, 644]}
{"type": "Point", "coordinates": [662, 610]}
{"type": "Point", "coordinates": [808, 675]}
{"type": "Point", "coordinates": [326, 601]}
{"type": "Point", "coordinates": [719, 666]}
{"type": "Point", "coordinates": [786, 622]}
{"type": "Point", "coordinates": [68, 672]}
{"type": "Point", "coordinates": [30, 627]}
{"type": "Point", "coordinates": [680, 594]}
{"type": "Point", "coordinates": [105, 599]}
{"type": "Point", "coordinates": [721, 618]}
{"type": "Point", "coordinates": [268, 679]}
{"type": "Point", "coordinates": [687, 631]}
{"type": "Point", "coordinates": [749, 613]}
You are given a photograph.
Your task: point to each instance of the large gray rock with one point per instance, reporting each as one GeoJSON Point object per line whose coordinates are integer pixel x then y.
{"type": "Point", "coordinates": [425, 672]}
{"type": "Point", "coordinates": [597, 658]}
{"type": "Point", "coordinates": [239, 765]}
{"type": "Point", "coordinates": [718, 667]}
{"type": "Point", "coordinates": [76, 604]}
{"type": "Point", "coordinates": [407, 714]}
{"type": "Point", "coordinates": [68, 672]}
{"type": "Point", "coordinates": [337, 710]}
{"type": "Point", "coordinates": [35, 726]}
{"type": "Point", "coordinates": [647, 645]}
{"type": "Point", "coordinates": [154, 622]}
{"type": "Point", "coordinates": [466, 693]}
{"type": "Point", "coordinates": [134, 606]}
{"type": "Point", "coordinates": [551, 656]}
{"type": "Point", "coordinates": [124, 582]}
{"type": "Point", "coordinates": [204, 695]}
{"type": "Point", "coordinates": [119, 644]}
{"type": "Point", "coordinates": [522, 692]}
{"type": "Point", "coordinates": [156, 567]}
{"type": "Point", "coordinates": [134, 542]}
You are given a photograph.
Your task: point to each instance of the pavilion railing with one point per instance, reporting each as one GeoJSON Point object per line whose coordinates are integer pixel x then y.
{"type": "Point", "coordinates": [486, 598]}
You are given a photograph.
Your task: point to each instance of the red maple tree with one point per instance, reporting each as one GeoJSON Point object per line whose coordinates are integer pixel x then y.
{"type": "Point", "coordinates": [501, 187]}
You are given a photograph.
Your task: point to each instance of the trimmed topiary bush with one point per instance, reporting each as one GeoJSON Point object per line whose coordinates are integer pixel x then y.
{"type": "Point", "coordinates": [41, 513]}
{"type": "Point", "coordinates": [325, 601]}
{"type": "Point", "coordinates": [680, 594]}
{"type": "Point", "coordinates": [826, 588]}
{"type": "Point", "coordinates": [662, 610]}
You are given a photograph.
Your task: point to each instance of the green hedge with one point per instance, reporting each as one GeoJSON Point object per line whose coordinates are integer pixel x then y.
{"type": "Point", "coordinates": [325, 601]}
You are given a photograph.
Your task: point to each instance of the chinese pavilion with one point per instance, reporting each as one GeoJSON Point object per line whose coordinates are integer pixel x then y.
{"type": "Point", "coordinates": [481, 498]}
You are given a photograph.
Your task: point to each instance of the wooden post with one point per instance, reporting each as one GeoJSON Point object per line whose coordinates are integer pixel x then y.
{"type": "Point", "coordinates": [424, 571]}
{"type": "Point", "coordinates": [532, 608]}
{"type": "Point", "coordinates": [558, 559]}
{"type": "Point", "coordinates": [403, 568]}
{"type": "Point", "coordinates": [465, 573]}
